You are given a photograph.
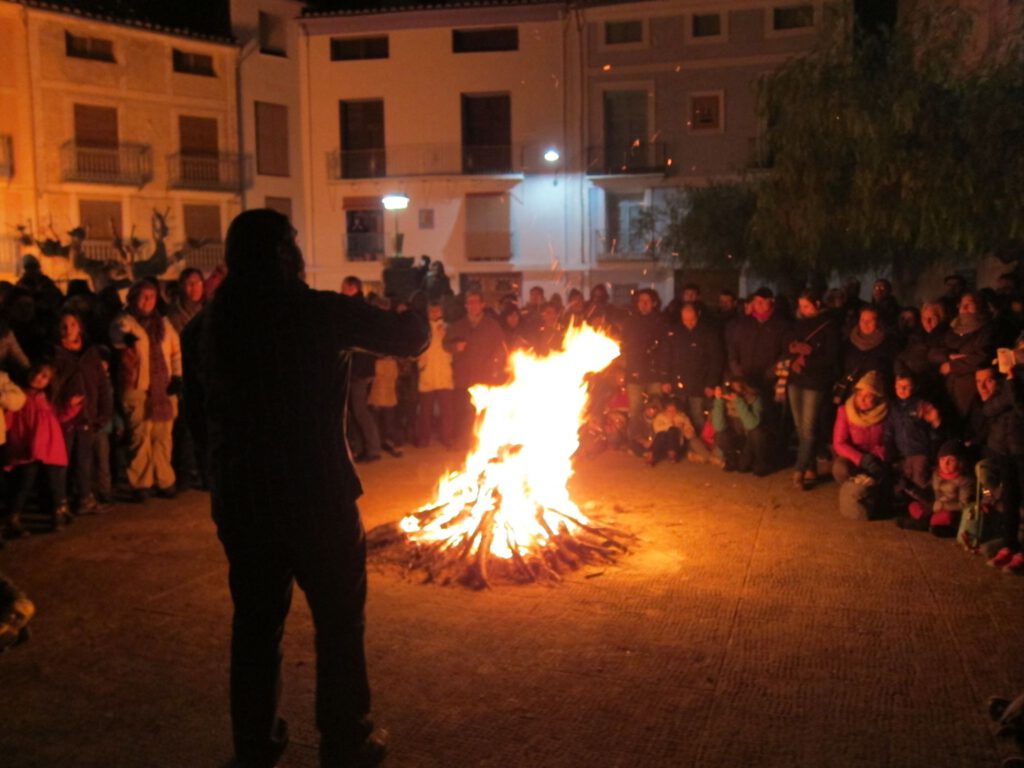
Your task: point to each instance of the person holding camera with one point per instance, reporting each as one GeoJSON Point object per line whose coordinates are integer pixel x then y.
{"type": "Point", "coordinates": [150, 353]}
{"type": "Point", "coordinates": [737, 417]}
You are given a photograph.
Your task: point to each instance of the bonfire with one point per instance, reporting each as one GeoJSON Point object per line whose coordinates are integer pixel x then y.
{"type": "Point", "coordinates": [507, 514]}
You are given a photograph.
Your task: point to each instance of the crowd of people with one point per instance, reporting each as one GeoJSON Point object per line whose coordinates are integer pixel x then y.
{"type": "Point", "coordinates": [90, 386]}
{"type": "Point", "coordinates": [906, 408]}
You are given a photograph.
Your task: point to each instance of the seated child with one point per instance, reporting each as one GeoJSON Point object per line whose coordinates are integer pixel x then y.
{"type": "Point", "coordinates": [915, 432]}
{"type": "Point", "coordinates": [673, 431]}
{"type": "Point", "coordinates": [739, 433]}
{"type": "Point", "coordinates": [953, 490]}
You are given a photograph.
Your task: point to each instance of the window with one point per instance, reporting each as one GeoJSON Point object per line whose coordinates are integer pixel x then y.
{"type": "Point", "coordinates": [355, 48]}
{"type": "Point", "coordinates": [486, 134]}
{"type": "Point", "coordinates": [271, 139]}
{"type": "Point", "coordinates": [364, 228]}
{"type": "Point", "coordinates": [485, 40]}
{"type": "Point", "coordinates": [192, 63]}
{"type": "Point", "coordinates": [627, 146]}
{"type": "Point", "coordinates": [706, 25]}
{"type": "Point", "coordinates": [362, 139]}
{"type": "Point", "coordinates": [273, 35]}
{"type": "Point", "coordinates": [622, 215]}
{"type": "Point", "coordinates": [790, 17]}
{"type": "Point", "coordinates": [488, 227]}
{"type": "Point", "coordinates": [94, 48]}
{"type": "Point", "coordinates": [623, 32]}
{"type": "Point", "coordinates": [282, 205]}
{"type": "Point", "coordinates": [96, 216]}
{"type": "Point", "coordinates": [200, 151]}
{"type": "Point", "coordinates": [706, 112]}
{"type": "Point", "coordinates": [95, 126]}
{"type": "Point", "coordinates": [202, 223]}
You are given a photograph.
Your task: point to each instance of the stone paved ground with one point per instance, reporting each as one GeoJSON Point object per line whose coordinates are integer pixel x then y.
{"type": "Point", "coordinates": [751, 626]}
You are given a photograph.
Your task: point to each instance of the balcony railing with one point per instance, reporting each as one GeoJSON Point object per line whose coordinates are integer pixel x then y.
{"type": "Point", "coordinates": [10, 255]}
{"type": "Point", "coordinates": [128, 164]}
{"type": "Point", "coordinates": [365, 246]}
{"type": "Point", "coordinates": [6, 157]}
{"type": "Point", "coordinates": [489, 246]}
{"type": "Point", "coordinates": [205, 257]}
{"type": "Point", "coordinates": [423, 160]}
{"type": "Point", "coordinates": [635, 157]}
{"type": "Point", "coordinates": [224, 172]}
{"type": "Point", "coordinates": [606, 246]}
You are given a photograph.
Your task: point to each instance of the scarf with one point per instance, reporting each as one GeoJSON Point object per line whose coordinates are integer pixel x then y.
{"type": "Point", "coordinates": [866, 342]}
{"type": "Point", "coordinates": [963, 325]}
{"type": "Point", "coordinates": [949, 475]}
{"type": "Point", "coordinates": [874, 416]}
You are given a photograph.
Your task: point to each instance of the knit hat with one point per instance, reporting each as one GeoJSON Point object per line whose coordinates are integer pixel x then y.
{"type": "Point", "coordinates": [872, 382]}
{"type": "Point", "coordinates": [950, 448]}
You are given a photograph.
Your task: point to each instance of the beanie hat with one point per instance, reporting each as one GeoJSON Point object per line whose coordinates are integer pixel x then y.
{"type": "Point", "coordinates": [950, 448]}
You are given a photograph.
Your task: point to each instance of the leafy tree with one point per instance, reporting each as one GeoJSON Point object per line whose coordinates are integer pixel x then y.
{"type": "Point", "coordinates": [895, 149]}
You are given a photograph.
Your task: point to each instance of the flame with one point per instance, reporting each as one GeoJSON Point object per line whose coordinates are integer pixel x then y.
{"type": "Point", "coordinates": [526, 434]}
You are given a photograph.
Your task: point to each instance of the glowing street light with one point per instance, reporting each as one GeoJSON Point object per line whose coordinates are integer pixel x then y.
{"type": "Point", "coordinates": [396, 203]}
{"type": "Point", "coordinates": [552, 155]}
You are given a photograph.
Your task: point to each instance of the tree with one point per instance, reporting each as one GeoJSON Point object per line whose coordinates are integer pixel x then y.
{"type": "Point", "coordinates": [899, 148]}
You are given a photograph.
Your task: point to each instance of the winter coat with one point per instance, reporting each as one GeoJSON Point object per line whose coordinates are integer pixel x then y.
{"type": "Point", "coordinates": [1004, 422]}
{"type": "Point", "coordinates": [34, 433]}
{"type": "Point", "coordinates": [664, 421]}
{"type": "Point", "coordinates": [978, 349]}
{"type": "Point", "coordinates": [692, 358]}
{"type": "Point", "coordinates": [11, 355]}
{"type": "Point", "coordinates": [384, 389]}
{"type": "Point", "coordinates": [754, 347]}
{"type": "Point", "coordinates": [642, 337]}
{"type": "Point", "coordinates": [436, 363]}
{"type": "Point", "coordinates": [952, 494]}
{"type": "Point", "coordinates": [12, 398]}
{"type": "Point", "coordinates": [911, 436]}
{"type": "Point", "coordinates": [740, 414]}
{"type": "Point", "coordinates": [857, 362]}
{"type": "Point", "coordinates": [136, 373]}
{"type": "Point", "coordinates": [484, 358]}
{"type": "Point", "coordinates": [81, 373]}
{"type": "Point", "coordinates": [182, 311]}
{"type": "Point", "coordinates": [851, 441]}
{"type": "Point", "coordinates": [821, 366]}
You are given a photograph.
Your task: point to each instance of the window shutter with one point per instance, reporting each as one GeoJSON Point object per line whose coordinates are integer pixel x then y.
{"type": "Point", "coordinates": [271, 139]}
{"type": "Point", "coordinates": [95, 126]}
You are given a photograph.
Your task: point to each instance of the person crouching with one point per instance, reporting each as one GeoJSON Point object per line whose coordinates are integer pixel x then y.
{"type": "Point", "coordinates": [739, 431]}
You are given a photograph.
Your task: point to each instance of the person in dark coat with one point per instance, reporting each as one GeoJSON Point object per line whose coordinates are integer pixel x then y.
{"type": "Point", "coordinates": [967, 345]}
{"type": "Point", "coordinates": [643, 333]}
{"type": "Point", "coordinates": [692, 363]}
{"type": "Point", "coordinates": [812, 344]}
{"type": "Point", "coordinates": [755, 344]}
{"type": "Point", "coordinates": [362, 367]}
{"type": "Point", "coordinates": [870, 346]}
{"type": "Point", "coordinates": [477, 346]}
{"type": "Point", "coordinates": [283, 487]}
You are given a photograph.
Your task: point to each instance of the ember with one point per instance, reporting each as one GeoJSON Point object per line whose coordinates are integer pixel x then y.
{"type": "Point", "coordinates": [508, 515]}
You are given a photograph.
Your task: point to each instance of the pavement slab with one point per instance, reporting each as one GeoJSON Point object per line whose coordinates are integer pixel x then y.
{"type": "Point", "coordinates": [749, 625]}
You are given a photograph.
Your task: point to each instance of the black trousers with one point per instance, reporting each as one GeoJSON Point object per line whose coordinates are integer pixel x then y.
{"type": "Point", "coordinates": [81, 444]}
{"type": "Point", "coordinates": [327, 558]}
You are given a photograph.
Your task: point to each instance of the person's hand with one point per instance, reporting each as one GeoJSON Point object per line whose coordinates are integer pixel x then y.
{"type": "Point", "coordinates": [930, 414]}
{"type": "Point", "coordinates": [76, 400]}
{"type": "Point", "coordinates": [945, 368]}
{"type": "Point", "coordinates": [666, 388]}
{"type": "Point", "coordinates": [872, 464]}
{"type": "Point", "coordinates": [957, 356]}
{"type": "Point", "coordinates": [718, 393]}
{"type": "Point", "coordinates": [799, 348]}
{"type": "Point", "coordinates": [460, 346]}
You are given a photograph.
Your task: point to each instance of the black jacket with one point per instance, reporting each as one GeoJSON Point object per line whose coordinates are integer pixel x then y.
{"type": "Point", "coordinates": [692, 358]}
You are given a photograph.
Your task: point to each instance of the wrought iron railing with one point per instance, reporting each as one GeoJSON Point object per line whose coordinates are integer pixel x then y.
{"type": "Point", "coordinates": [423, 160]}
{"type": "Point", "coordinates": [489, 246]}
{"type": "Point", "coordinates": [6, 157]}
{"type": "Point", "coordinates": [365, 246]}
{"type": "Point", "coordinates": [205, 257]}
{"type": "Point", "coordinates": [634, 157]}
{"type": "Point", "coordinates": [10, 256]}
{"type": "Point", "coordinates": [607, 245]}
{"type": "Point", "coordinates": [129, 164]}
{"type": "Point", "coordinates": [225, 172]}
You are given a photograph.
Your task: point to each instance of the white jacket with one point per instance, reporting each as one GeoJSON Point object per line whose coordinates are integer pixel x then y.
{"type": "Point", "coordinates": [170, 345]}
{"type": "Point", "coordinates": [435, 363]}
{"type": "Point", "coordinates": [12, 398]}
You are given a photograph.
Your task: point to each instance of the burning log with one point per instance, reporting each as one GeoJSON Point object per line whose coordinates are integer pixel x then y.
{"type": "Point", "coordinates": [507, 516]}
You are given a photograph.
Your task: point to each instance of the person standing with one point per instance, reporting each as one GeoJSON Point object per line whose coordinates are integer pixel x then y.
{"type": "Point", "coordinates": [477, 345]}
{"type": "Point", "coordinates": [150, 382]}
{"type": "Point", "coordinates": [361, 371]}
{"type": "Point", "coordinates": [435, 383]}
{"type": "Point", "coordinates": [643, 336]}
{"type": "Point", "coordinates": [271, 373]}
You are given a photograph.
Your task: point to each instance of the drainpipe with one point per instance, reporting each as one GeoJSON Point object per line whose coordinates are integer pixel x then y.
{"type": "Point", "coordinates": [32, 119]}
{"type": "Point", "coordinates": [243, 54]}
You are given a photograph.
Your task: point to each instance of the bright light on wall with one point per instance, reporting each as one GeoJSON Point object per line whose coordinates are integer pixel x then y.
{"type": "Point", "coordinates": [552, 155]}
{"type": "Point", "coordinates": [395, 202]}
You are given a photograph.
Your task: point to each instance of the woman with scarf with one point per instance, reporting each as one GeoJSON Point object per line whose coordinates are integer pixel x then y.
{"type": "Point", "coordinates": [190, 299]}
{"type": "Point", "coordinates": [861, 441]}
{"type": "Point", "coordinates": [869, 347]}
{"type": "Point", "coordinates": [188, 303]}
{"type": "Point", "coordinates": [967, 345]}
{"type": "Point", "coordinates": [150, 380]}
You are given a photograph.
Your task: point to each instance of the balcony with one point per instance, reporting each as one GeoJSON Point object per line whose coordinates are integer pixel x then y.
{"type": "Point", "coordinates": [365, 246]}
{"type": "Point", "coordinates": [224, 172]}
{"type": "Point", "coordinates": [126, 164]}
{"type": "Point", "coordinates": [489, 246]}
{"type": "Point", "coordinates": [6, 157]}
{"type": "Point", "coordinates": [606, 246]}
{"type": "Point", "coordinates": [422, 160]}
{"type": "Point", "coordinates": [633, 158]}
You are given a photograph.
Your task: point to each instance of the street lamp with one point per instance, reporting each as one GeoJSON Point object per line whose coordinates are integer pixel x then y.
{"type": "Point", "coordinates": [396, 203]}
{"type": "Point", "coordinates": [552, 155]}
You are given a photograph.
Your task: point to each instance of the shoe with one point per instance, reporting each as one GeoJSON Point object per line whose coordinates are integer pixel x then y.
{"type": "Point", "coordinates": [393, 451]}
{"type": "Point", "coordinates": [909, 523]}
{"type": "Point", "coordinates": [170, 492]}
{"type": "Point", "coordinates": [1016, 565]}
{"type": "Point", "coordinates": [89, 506]}
{"type": "Point", "coordinates": [137, 496]}
{"type": "Point", "coordinates": [798, 480]}
{"type": "Point", "coordinates": [1002, 558]}
{"type": "Point", "coordinates": [364, 459]}
{"type": "Point", "coordinates": [370, 753]}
